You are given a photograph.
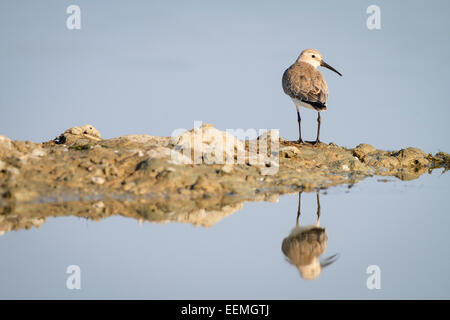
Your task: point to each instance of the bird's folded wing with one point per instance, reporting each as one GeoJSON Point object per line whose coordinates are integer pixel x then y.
{"type": "Point", "coordinates": [306, 84]}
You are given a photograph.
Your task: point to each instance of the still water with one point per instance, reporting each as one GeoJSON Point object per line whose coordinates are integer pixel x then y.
{"type": "Point", "coordinates": [399, 226]}
{"type": "Point", "coordinates": [227, 60]}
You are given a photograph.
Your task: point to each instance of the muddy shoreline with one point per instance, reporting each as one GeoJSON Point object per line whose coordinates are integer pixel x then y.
{"type": "Point", "coordinates": [81, 174]}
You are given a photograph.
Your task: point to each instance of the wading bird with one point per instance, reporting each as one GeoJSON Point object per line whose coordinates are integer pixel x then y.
{"type": "Point", "coordinates": [306, 85]}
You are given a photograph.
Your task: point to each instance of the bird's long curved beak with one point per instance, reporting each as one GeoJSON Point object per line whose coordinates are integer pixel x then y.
{"type": "Point", "coordinates": [326, 262]}
{"type": "Point", "coordinates": [326, 65]}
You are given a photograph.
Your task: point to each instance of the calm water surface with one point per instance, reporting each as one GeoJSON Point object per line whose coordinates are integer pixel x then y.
{"type": "Point", "coordinates": [226, 60]}
{"type": "Point", "coordinates": [402, 227]}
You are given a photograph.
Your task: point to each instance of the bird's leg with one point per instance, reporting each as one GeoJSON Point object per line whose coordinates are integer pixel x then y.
{"type": "Point", "coordinates": [298, 208]}
{"type": "Point", "coordinates": [299, 127]}
{"type": "Point", "coordinates": [318, 209]}
{"type": "Point", "coordinates": [318, 128]}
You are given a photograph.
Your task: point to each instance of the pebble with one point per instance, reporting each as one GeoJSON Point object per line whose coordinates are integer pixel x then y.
{"type": "Point", "coordinates": [98, 205]}
{"type": "Point", "coordinates": [38, 153]}
{"type": "Point", "coordinates": [98, 180]}
{"type": "Point", "coordinates": [227, 168]}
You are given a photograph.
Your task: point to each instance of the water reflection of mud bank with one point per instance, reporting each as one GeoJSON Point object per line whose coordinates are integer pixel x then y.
{"type": "Point", "coordinates": [203, 212]}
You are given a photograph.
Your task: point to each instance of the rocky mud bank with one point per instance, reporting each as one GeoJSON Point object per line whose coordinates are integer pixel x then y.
{"type": "Point", "coordinates": [153, 178]}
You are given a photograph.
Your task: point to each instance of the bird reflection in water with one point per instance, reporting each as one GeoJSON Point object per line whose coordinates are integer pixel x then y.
{"type": "Point", "coordinates": [305, 244]}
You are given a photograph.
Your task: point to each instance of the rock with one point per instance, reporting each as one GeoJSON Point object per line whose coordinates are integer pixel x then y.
{"type": "Point", "coordinates": [75, 131]}
{"type": "Point", "coordinates": [5, 146]}
{"type": "Point", "coordinates": [383, 161]}
{"type": "Point", "coordinates": [207, 145]}
{"type": "Point", "coordinates": [228, 168]}
{"type": "Point", "coordinates": [99, 205]}
{"type": "Point", "coordinates": [363, 149]}
{"type": "Point", "coordinates": [90, 131]}
{"type": "Point", "coordinates": [37, 153]}
{"type": "Point", "coordinates": [289, 152]}
{"type": "Point", "coordinates": [5, 142]}
{"type": "Point", "coordinates": [411, 157]}
{"type": "Point", "coordinates": [98, 180]}
{"type": "Point", "coordinates": [152, 165]}
{"type": "Point", "coordinates": [79, 136]}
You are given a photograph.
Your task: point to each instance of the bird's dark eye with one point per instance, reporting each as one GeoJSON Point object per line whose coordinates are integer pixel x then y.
{"type": "Point", "coordinates": [313, 56]}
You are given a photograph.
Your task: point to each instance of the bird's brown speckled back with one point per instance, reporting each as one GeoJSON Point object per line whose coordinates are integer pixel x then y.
{"type": "Point", "coordinates": [303, 82]}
